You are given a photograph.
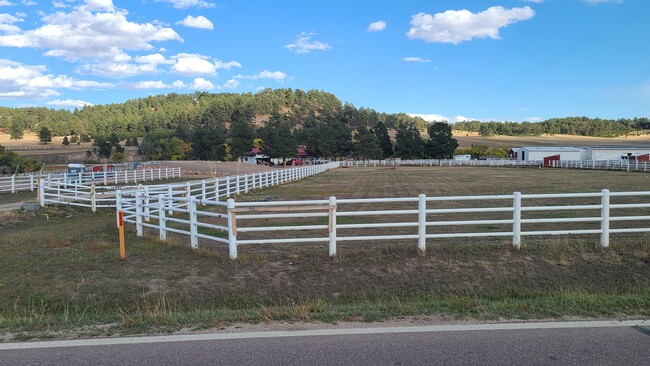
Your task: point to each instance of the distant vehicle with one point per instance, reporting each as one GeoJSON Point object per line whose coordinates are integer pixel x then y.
{"type": "Point", "coordinates": [294, 161]}
{"type": "Point", "coordinates": [320, 161]}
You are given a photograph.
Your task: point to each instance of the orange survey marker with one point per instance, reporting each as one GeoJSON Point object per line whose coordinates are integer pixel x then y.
{"type": "Point", "coordinates": [120, 220]}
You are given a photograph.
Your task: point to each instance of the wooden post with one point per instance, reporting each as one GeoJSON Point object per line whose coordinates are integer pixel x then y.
{"type": "Point", "coordinates": [120, 220]}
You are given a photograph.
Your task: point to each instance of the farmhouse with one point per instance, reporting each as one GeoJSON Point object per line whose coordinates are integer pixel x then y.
{"type": "Point", "coordinates": [548, 153]}
{"type": "Point", "coordinates": [615, 153]}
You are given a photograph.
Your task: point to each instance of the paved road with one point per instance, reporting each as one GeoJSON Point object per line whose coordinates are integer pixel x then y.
{"type": "Point", "coordinates": [581, 343]}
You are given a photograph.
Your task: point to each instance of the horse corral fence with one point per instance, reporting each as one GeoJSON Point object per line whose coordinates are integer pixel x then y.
{"type": "Point", "coordinates": [196, 210]}
{"type": "Point", "coordinates": [622, 165]}
{"type": "Point", "coordinates": [419, 218]}
{"type": "Point", "coordinates": [18, 183]}
{"type": "Point", "coordinates": [439, 162]}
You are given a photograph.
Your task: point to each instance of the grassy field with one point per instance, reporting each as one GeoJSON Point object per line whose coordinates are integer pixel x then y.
{"type": "Point", "coordinates": [61, 275]}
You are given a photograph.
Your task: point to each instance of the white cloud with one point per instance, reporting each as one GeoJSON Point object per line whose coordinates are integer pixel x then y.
{"type": "Point", "coordinates": [415, 59]}
{"type": "Point", "coordinates": [534, 1]}
{"type": "Point", "coordinates": [193, 65]}
{"type": "Point", "coordinates": [29, 2]}
{"type": "Point", "coordinates": [92, 31]}
{"type": "Point", "coordinates": [153, 59]}
{"type": "Point", "coordinates": [6, 3]}
{"type": "Point", "coordinates": [304, 44]}
{"type": "Point", "coordinates": [6, 24]}
{"type": "Point", "coordinates": [199, 22]}
{"type": "Point", "coordinates": [278, 76]}
{"type": "Point", "coordinates": [465, 119]}
{"type": "Point", "coordinates": [430, 117]}
{"type": "Point", "coordinates": [99, 5]}
{"type": "Point", "coordinates": [226, 65]}
{"type": "Point", "coordinates": [18, 80]}
{"type": "Point", "coordinates": [456, 26]}
{"type": "Point", "coordinates": [533, 119]}
{"type": "Point", "coordinates": [231, 84]}
{"type": "Point", "coordinates": [59, 5]}
{"type": "Point", "coordinates": [201, 84]}
{"type": "Point", "coordinates": [117, 69]}
{"type": "Point", "coordinates": [184, 4]}
{"type": "Point", "coordinates": [157, 84]}
{"type": "Point", "coordinates": [69, 103]}
{"type": "Point", "coordinates": [377, 26]}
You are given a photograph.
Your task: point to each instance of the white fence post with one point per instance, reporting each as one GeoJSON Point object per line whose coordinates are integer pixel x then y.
{"type": "Point", "coordinates": [194, 240]}
{"type": "Point", "coordinates": [162, 218]}
{"type": "Point", "coordinates": [41, 192]}
{"type": "Point", "coordinates": [138, 213]}
{"type": "Point", "coordinates": [13, 183]}
{"type": "Point", "coordinates": [604, 214]}
{"type": "Point", "coordinates": [93, 203]}
{"type": "Point", "coordinates": [516, 217]}
{"type": "Point", "coordinates": [31, 183]}
{"type": "Point", "coordinates": [232, 229]}
{"type": "Point", "coordinates": [146, 204]}
{"type": "Point", "coordinates": [332, 226]}
{"type": "Point", "coordinates": [422, 222]}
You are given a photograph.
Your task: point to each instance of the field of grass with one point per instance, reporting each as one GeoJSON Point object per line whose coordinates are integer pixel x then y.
{"type": "Point", "coordinates": [61, 275]}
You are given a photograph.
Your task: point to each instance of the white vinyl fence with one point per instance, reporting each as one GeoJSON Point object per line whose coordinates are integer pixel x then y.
{"type": "Point", "coordinates": [18, 183]}
{"type": "Point", "coordinates": [89, 195]}
{"type": "Point", "coordinates": [622, 165]}
{"type": "Point", "coordinates": [439, 162]}
{"type": "Point", "coordinates": [83, 191]}
{"type": "Point", "coordinates": [418, 219]}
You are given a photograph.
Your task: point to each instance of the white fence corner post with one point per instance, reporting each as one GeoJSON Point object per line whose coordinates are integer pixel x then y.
{"type": "Point", "coordinates": [194, 239]}
{"type": "Point", "coordinates": [232, 229]}
{"type": "Point", "coordinates": [162, 218]}
{"type": "Point", "coordinates": [422, 222]}
{"type": "Point", "coordinates": [516, 220]}
{"type": "Point", "coordinates": [604, 214]}
{"type": "Point", "coordinates": [332, 226]}
{"type": "Point", "coordinates": [138, 213]}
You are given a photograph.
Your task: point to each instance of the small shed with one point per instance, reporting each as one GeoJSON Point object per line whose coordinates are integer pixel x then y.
{"type": "Point", "coordinates": [539, 153]}
{"type": "Point", "coordinates": [513, 154]}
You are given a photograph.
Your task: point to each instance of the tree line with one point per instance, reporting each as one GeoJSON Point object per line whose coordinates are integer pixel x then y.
{"type": "Point", "coordinates": [581, 126]}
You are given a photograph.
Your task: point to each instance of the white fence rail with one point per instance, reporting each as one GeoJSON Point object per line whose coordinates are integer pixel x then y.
{"type": "Point", "coordinates": [622, 165]}
{"type": "Point", "coordinates": [89, 195]}
{"type": "Point", "coordinates": [439, 162]}
{"type": "Point", "coordinates": [419, 218]}
{"type": "Point", "coordinates": [17, 183]}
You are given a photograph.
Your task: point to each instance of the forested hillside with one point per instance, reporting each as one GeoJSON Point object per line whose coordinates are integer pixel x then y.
{"type": "Point", "coordinates": [580, 126]}
{"type": "Point", "coordinates": [224, 126]}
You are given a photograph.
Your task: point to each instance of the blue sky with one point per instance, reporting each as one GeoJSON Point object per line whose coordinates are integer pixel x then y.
{"type": "Point", "coordinates": [513, 60]}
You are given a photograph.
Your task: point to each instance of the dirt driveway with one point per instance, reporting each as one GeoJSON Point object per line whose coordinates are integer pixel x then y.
{"type": "Point", "coordinates": [209, 169]}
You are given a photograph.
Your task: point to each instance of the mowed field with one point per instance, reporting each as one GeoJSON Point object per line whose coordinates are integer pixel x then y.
{"type": "Point", "coordinates": [62, 278]}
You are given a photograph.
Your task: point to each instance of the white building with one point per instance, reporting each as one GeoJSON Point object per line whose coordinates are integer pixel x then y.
{"type": "Point", "coordinates": [613, 152]}
{"type": "Point", "coordinates": [548, 153]}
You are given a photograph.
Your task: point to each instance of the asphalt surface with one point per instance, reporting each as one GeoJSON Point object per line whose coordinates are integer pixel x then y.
{"type": "Point", "coordinates": [555, 344]}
